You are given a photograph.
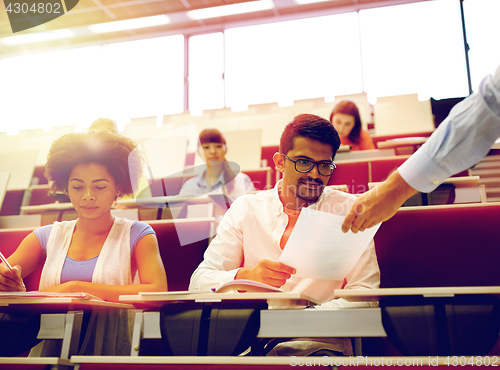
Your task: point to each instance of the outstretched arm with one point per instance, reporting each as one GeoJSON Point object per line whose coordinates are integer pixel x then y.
{"type": "Point", "coordinates": [378, 204]}
{"type": "Point", "coordinates": [460, 141]}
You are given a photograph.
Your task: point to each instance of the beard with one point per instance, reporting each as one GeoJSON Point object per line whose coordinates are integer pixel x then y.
{"type": "Point", "coordinates": [307, 194]}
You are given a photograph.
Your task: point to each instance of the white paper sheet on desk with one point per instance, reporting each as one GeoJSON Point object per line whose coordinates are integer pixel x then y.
{"type": "Point", "coordinates": [318, 249]}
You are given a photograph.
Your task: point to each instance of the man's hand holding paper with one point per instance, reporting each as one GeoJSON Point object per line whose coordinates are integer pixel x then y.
{"type": "Point", "coordinates": [318, 248]}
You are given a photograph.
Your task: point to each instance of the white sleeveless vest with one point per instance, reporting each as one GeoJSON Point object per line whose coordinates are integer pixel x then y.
{"type": "Point", "coordinates": [113, 264]}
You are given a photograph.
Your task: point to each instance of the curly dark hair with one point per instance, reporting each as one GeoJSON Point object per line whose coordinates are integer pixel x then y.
{"type": "Point", "coordinates": [312, 127]}
{"type": "Point", "coordinates": [116, 152]}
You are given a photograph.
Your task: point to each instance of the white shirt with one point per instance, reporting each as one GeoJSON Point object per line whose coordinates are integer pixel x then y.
{"type": "Point", "coordinates": [251, 231]}
{"type": "Point", "coordinates": [460, 141]}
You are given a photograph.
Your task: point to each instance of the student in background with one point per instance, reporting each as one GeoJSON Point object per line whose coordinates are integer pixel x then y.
{"type": "Point", "coordinates": [346, 120]}
{"type": "Point", "coordinates": [97, 253]}
{"type": "Point", "coordinates": [460, 141]}
{"type": "Point", "coordinates": [102, 124]}
{"type": "Point", "coordinates": [212, 147]}
{"type": "Point", "coordinates": [256, 228]}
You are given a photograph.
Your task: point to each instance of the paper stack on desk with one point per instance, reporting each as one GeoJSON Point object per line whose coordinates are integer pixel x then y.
{"type": "Point", "coordinates": [245, 285]}
{"type": "Point", "coordinates": [318, 249]}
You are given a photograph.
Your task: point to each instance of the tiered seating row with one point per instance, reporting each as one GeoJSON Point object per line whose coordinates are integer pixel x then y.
{"type": "Point", "coordinates": [419, 247]}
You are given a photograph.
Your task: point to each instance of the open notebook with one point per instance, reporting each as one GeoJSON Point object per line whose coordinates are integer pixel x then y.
{"type": "Point", "coordinates": [232, 286]}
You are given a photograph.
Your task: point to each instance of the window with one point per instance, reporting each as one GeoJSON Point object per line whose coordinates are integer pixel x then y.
{"type": "Point", "coordinates": [206, 69]}
{"type": "Point", "coordinates": [414, 48]}
{"type": "Point", "coordinates": [287, 61]}
{"type": "Point", "coordinates": [50, 89]}
{"type": "Point", "coordinates": [143, 78]}
{"type": "Point", "coordinates": [483, 29]}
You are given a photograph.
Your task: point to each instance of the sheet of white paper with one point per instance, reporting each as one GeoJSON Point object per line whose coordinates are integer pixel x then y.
{"type": "Point", "coordinates": [318, 249]}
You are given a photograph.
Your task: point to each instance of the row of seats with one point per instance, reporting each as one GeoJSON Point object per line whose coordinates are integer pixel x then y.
{"type": "Point", "coordinates": [267, 153]}
{"type": "Point", "coordinates": [431, 246]}
{"type": "Point", "coordinates": [420, 246]}
{"type": "Point", "coordinates": [38, 194]}
{"type": "Point", "coordinates": [356, 175]}
{"type": "Point", "coordinates": [262, 179]}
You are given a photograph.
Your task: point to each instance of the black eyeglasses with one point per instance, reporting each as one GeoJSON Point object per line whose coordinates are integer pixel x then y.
{"type": "Point", "coordinates": [304, 165]}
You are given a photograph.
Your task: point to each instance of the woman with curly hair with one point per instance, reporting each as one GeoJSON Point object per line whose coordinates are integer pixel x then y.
{"type": "Point", "coordinates": [346, 120]}
{"type": "Point", "coordinates": [97, 253]}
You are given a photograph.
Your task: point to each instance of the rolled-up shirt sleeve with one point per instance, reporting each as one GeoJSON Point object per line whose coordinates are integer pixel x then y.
{"type": "Point", "coordinates": [460, 141]}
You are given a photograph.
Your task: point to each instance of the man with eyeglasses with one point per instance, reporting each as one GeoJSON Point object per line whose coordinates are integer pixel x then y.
{"type": "Point", "coordinates": [255, 229]}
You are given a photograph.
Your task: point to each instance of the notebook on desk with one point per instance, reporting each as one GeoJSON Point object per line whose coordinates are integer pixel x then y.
{"type": "Point", "coordinates": [49, 300]}
{"type": "Point", "coordinates": [232, 291]}
{"type": "Point", "coordinates": [37, 294]}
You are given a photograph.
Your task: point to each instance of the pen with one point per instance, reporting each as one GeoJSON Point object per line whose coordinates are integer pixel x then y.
{"type": "Point", "coordinates": [4, 260]}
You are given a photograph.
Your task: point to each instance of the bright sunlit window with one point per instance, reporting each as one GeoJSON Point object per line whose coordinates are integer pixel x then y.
{"type": "Point", "coordinates": [206, 67]}
{"type": "Point", "coordinates": [483, 29]}
{"type": "Point", "coordinates": [287, 61]}
{"type": "Point", "coordinates": [143, 78]}
{"type": "Point", "coordinates": [50, 89]}
{"type": "Point", "coordinates": [414, 48]}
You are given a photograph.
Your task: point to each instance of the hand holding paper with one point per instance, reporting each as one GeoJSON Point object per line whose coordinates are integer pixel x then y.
{"type": "Point", "coordinates": [318, 248]}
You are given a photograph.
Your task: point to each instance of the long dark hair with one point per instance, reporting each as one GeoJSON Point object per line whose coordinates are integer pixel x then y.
{"type": "Point", "coordinates": [348, 107]}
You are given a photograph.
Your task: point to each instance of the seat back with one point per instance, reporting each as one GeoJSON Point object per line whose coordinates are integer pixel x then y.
{"type": "Point", "coordinates": [440, 246]}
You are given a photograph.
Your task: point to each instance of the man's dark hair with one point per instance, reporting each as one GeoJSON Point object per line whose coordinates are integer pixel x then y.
{"type": "Point", "coordinates": [312, 127]}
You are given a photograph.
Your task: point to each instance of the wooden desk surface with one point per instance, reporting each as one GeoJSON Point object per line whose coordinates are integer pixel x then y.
{"type": "Point", "coordinates": [376, 294]}
{"type": "Point", "coordinates": [36, 361]}
{"type": "Point", "coordinates": [275, 300]}
{"type": "Point", "coordinates": [131, 203]}
{"type": "Point", "coordinates": [279, 360]}
{"type": "Point", "coordinates": [392, 143]}
{"type": "Point", "coordinates": [463, 182]}
{"type": "Point", "coordinates": [75, 303]}
{"type": "Point", "coordinates": [47, 207]}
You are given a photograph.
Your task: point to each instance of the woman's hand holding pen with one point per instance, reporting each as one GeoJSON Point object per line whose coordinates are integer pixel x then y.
{"type": "Point", "coordinates": [10, 280]}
